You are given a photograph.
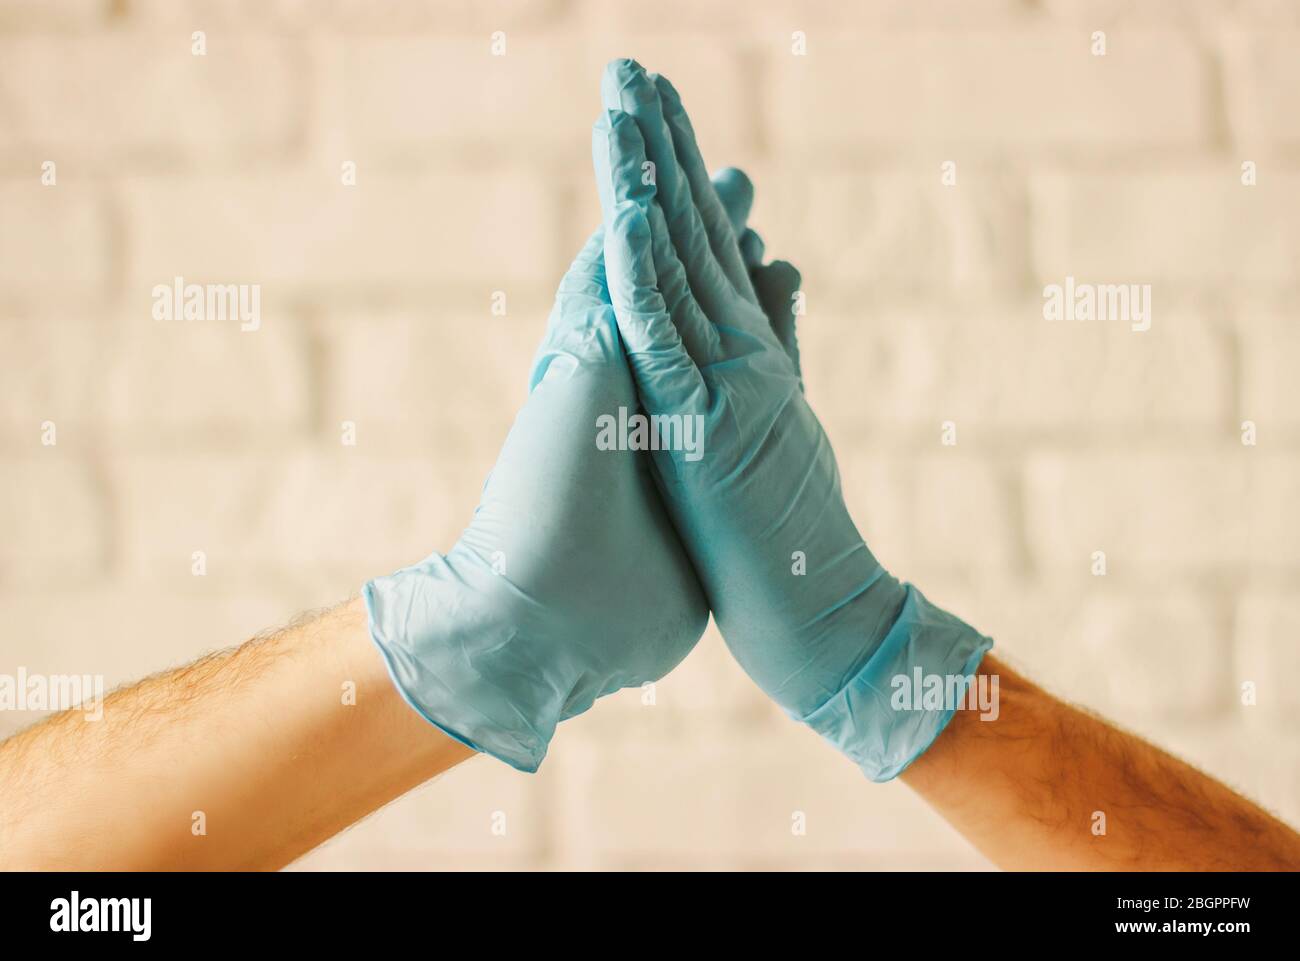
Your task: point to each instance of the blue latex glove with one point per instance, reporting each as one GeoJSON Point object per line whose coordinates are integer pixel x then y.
{"type": "Point", "coordinates": [569, 583]}
{"type": "Point", "coordinates": [827, 644]}
{"type": "Point", "coordinates": [591, 590]}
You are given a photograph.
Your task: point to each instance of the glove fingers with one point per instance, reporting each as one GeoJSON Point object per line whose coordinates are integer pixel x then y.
{"type": "Point", "coordinates": [667, 379]}
{"type": "Point", "coordinates": [625, 86]}
{"type": "Point", "coordinates": [698, 334]}
{"type": "Point", "coordinates": [585, 277]}
{"type": "Point", "coordinates": [619, 153]}
{"type": "Point", "coordinates": [776, 286]}
{"type": "Point", "coordinates": [752, 249]}
{"type": "Point", "coordinates": [580, 301]}
{"type": "Point", "coordinates": [736, 193]}
{"type": "Point", "coordinates": [722, 239]}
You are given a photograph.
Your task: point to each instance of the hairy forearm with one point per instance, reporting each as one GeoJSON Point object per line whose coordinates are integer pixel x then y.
{"type": "Point", "coordinates": [1048, 786]}
{"type": "Point", "coordinates": [244, 759]}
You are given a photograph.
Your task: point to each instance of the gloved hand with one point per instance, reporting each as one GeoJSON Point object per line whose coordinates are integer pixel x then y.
{"type": "Point", "coordinates": [570, 581]}
{"type": "Point", "coordinates": [825, 640]}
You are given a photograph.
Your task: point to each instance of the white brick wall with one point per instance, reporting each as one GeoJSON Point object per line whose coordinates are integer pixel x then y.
{"type": "Point", "coordinates": [1177, 229]}
{"type": "Point", "coordinates": [996, 90]}
{"type": "Point", "coordinates": [124, 99]}
{"type": "Point", "coordinates": [51, 239]}
{"type": "Point", "coordinates": [304, 231]}
{"type": "Point", "coordinates": [925, 305]}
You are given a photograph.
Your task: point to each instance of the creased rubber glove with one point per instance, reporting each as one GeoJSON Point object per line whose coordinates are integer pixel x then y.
{"type": "Point", "coordinates": [826, 644]}
{"type": "Point", "coordinates": [569, 583]}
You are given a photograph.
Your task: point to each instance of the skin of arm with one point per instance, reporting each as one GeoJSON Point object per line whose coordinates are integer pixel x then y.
{"type": "Point", "coordinates": [257, 745]}
{"type": "Point", "coordinates": [1025, 789]}
{"type": "Point", "coordinates": [259, 739]}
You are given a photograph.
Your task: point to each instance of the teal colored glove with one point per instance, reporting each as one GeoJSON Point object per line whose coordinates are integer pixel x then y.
{"type": "Point", "coordinates": [569, 583]}
{"type": "Point", "coordinates": [827, 644]}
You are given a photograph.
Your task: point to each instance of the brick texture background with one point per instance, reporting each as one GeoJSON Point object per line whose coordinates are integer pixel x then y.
{"type": "Point", "coordinates": [925, 306]}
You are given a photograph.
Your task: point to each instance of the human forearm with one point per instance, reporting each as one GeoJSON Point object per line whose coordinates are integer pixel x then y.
{"type": "Point", "coordinates": [259, 745]}
{"type": "Point", "coordinates": [1030, 789]}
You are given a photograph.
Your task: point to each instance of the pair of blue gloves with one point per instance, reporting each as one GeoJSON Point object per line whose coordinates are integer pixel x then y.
{"type": "Point", "coordinates": [587, 569]}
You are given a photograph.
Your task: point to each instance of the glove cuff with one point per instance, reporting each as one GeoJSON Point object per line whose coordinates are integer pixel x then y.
{"type": "Point", "coordinates": [454, 675]}
{"type": "Point", "coordinates": [870, 721]}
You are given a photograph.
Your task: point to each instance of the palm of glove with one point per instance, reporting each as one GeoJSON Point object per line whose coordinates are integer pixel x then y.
{"type": "Point", "coordinates": [710, 334]}
{"type": "Point", "coordinates": [764, 518]}
{"type": "Point", "coordinates": [569, 582]}
{"type": "Point", "coordinates": [590, 574]}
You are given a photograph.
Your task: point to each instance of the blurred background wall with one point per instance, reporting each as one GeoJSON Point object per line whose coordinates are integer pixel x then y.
{"type": "Point", "coordinates": [924, 305]}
